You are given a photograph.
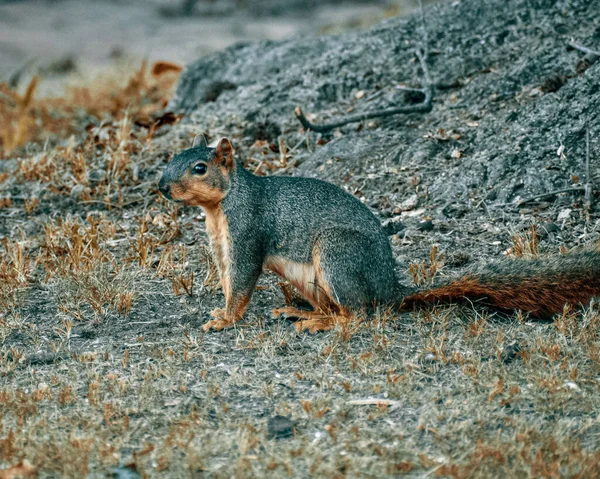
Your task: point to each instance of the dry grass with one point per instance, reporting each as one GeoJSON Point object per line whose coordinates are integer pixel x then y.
{"type": "Point", "coordinates": [526, 245]}
{"type": "Point", "coordinates": [423, 273]}
{"type": "Point", "coordinates": [104, 365]}
{"type": "Point", "coordinates": [25, 118]}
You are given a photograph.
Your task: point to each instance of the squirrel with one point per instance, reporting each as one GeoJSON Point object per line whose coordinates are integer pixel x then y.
{"type": "Point", "coordinates": [333, 249]}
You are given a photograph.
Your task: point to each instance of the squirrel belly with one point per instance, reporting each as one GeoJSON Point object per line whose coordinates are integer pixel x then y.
{"type": "Point", "coordinates": [332, 248]}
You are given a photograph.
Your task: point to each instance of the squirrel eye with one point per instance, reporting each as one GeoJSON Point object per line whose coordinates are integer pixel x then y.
{"type": "Point", "coordinates": [200, 168]}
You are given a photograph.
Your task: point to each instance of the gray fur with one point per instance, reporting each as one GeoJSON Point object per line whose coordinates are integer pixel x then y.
{"type": "Point", "coordinates": [285, 217]}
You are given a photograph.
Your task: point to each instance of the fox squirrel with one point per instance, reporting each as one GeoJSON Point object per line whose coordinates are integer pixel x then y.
{"type": "Point", "coordinates": [334, 251]}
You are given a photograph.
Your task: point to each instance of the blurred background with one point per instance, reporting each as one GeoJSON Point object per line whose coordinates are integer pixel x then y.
{"type": "Point", "coordinates": [66, 41]}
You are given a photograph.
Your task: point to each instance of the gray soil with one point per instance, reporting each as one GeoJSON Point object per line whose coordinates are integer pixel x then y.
{"type": "Point", "coordinates": [462, 391]}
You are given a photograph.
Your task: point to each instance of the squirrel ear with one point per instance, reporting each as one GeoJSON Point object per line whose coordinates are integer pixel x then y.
{"type": "Point", "coordinates": [224, 153]}
{"type": "Point", "coordinates": [199, 140]}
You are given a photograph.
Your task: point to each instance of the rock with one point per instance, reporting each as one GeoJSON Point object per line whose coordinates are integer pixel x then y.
{"type": "Point", "coordinates": [547, 229]}
{"type": "Point", "coordinates": [409, 203]}
{"type": "Point", "coordinates": [280, 427]}
{"type": "Point", "coordinates": [393, 225]}
{"type": "Point", "coordinates": [77, 191]}
{"type": "Point", "coordinates": [323, 75]}
{"type": "Point", "coordinates": [510, 353]}
{"type": "Point", "coordinates": [126, 471]}
{"type": "Point", "coordinates": [31, 227]}
{"type": "Point", "coordinates": [425, 225]}
{"type": "Point", "coordinates": [97, 176]}
{"type": "Point", "coordinates": [564, 215]}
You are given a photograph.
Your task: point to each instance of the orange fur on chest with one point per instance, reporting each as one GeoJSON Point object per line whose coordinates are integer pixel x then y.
{"type": "Point", "coordinates": [220, 241]}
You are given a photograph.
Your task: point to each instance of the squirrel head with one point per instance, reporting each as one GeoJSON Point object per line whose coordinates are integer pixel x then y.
{"type": "Point", "coordinates": [200, 175]}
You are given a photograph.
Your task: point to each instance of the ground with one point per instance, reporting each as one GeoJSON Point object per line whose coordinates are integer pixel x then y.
{"type": "Point", "coordinates": [105, 285]}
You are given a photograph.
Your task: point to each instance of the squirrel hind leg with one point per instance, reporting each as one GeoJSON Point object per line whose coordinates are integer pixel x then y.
{"type": "Point", "coordinates": [355, 271]}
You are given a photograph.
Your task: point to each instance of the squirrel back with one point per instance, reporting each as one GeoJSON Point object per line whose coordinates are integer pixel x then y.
{"type": "Point", "coordinates": [332, 248]}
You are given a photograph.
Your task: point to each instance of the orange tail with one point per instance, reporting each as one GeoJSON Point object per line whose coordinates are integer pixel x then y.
{"type": "Point", "coordinates": [541, 287]}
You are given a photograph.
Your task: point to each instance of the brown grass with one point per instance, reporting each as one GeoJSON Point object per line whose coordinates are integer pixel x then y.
{"type": "Point", "coordinates": [25, 118]}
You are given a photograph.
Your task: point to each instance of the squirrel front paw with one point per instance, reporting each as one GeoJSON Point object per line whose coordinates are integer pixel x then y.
{"type": "Point", "coordinates": [220, 321]}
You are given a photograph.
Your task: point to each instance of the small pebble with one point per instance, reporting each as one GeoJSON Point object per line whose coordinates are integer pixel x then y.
{"type": "Point", "coordinates": [510, 353]}
{"type": "Point", "coordinates": [280, 427]}
{"type": "Point", "coordinates": [77, 191]}
{"type": "Point", "coordinates": [425, 225]}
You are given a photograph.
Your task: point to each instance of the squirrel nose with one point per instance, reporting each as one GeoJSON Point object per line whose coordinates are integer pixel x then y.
{"type": "Point", "coordinates": [164, 188]}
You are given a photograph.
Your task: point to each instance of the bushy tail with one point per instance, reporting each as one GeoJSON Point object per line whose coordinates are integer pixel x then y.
{"type": "Point", "coordinates": [541, 286]}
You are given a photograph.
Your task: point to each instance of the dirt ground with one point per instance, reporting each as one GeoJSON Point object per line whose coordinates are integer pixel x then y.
{"type": "Point", "coordinates": [104, 285]}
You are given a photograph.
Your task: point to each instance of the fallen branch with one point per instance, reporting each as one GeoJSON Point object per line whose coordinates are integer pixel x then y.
{"type": "Point", "coordinates": [583, 49]}
{"type": "Point", "coordinates": [373, 402]}
{"type": "Point", "coordinates": [423, 107]}
{"type": "Point", "coordinates": [551, 193]}
{"type": "Point", "coordinates": [588, 182]}
{"type": "Point", "coordinates": [590, 57]}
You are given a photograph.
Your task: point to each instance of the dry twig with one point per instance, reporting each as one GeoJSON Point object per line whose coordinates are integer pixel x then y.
{"type": "Point", "coordinates": [590, 57]}
{"type": "Point", "coordinates": [588, 183]}
{"type": "Point", "coordinates": [551, 193]}
{"type": "Point", "coordinates": [583, 49]}
{"type": "Point", "coordinates": [373, 402]}
{"type": "Point", "coordinates": [423, 107]}
{"type": "Point", "coordinates": [587, 188]}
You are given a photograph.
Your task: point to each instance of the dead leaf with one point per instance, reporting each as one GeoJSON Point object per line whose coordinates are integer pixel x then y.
{"type": "Point", "coordinates": [162, 67]}
{"type": "Point", "coordinates": [155, 122]}
{"type": "Point", "coordinates": [564, 214]}
{"type": "Point", "coordinates": [410, 203]}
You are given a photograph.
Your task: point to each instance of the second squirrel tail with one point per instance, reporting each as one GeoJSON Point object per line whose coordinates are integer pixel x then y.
{"type": "Point", "coordinates": [541, 286]}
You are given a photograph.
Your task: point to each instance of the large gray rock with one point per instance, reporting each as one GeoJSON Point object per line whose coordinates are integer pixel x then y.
{"type": "Point", "coordinates": [495, 137]}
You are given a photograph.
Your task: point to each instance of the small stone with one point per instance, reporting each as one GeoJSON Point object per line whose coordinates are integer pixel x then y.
{"type": "Point", "coordinates": [393, 226]}
{"type": "Point", "coordinates": [548, 228]}
{"type": "Point", "coordinates": [410, 203]}
{"type": "Point", "coordinates": [97, 176]}
{"type": "Point", "coordinates": [280, 427]}
{"type": "Point", "coordinates": [77, 191]}
{"type": "Point", "coordinates": [564, 214]}
{"type": "Point", "coordinates": [31, 228]}
{"type": "Point", "coordinates": [572, 385]}
{"type": "Point", "coordinates": [425, 225]}
{"type": "Point", "coordinates": [510, 353]}
{"type": "Point", "coordinates": [126, 471]}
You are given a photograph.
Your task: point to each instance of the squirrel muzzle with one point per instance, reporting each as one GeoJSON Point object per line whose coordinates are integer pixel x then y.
{"type": "Point", "coordinates": [165, 187]}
